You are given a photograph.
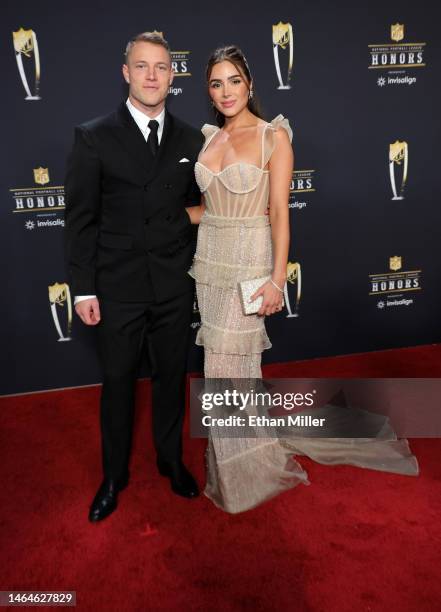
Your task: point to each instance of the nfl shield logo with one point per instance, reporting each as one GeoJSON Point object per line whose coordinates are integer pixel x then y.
{"type": "Point", "coordinates": [281, 34]}
{"type": "Point", "coordinates": [23, 41]}
{"type": "Point", "coordinates": [41, 176]}
{"type": "Point", "coordinates": [395, 263]}
{"type": "Point", "coordinates": [397, 32]}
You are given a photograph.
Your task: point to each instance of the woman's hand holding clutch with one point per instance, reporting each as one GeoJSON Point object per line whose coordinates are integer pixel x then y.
{"type": "Point", "coordinates": [272, 295]}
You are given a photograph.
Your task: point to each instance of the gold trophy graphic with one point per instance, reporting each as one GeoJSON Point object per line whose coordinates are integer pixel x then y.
{"type": "Point", "coordinates": [293, 274]}
{"type": "Point", "coordinates": [25, 44]}
{"type": "Point", "coordinates": [398, 152]}
{"type": "Point", "coordinates": [59, 293]}
{"type": "Point", "coordinates": [282, 38]}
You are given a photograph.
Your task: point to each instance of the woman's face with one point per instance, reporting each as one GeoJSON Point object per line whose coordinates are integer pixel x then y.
{"type": "Point", "coordinates": [228, 89]}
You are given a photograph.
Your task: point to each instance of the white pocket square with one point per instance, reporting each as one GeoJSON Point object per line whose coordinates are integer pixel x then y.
{"type": "Point", "coordinates": [184, 159]}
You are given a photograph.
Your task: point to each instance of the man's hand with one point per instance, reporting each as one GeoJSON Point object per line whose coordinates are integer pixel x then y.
{"type": "Point", "coordinates": [89, 311]}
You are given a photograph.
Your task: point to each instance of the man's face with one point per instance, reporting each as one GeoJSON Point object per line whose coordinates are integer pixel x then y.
{"type": "Point", "coordinates": [149, 74]}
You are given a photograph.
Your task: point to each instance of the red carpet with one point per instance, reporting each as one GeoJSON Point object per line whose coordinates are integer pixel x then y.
{"type": "Point", "coordinates": [354, 540]}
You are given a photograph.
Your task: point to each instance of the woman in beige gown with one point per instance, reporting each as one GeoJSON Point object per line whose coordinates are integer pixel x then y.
{"type": "Point", "coordinates": [244, 167]}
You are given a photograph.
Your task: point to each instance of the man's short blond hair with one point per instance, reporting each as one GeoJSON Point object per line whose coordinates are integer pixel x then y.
{"type": "Point", "coordinates": [156, 38]}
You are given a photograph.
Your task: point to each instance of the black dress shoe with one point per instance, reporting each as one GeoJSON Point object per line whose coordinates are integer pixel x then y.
{"type": "Point", "coordinates": [106, 499]}
{"type": "Point", "coordinates": [181, 481]}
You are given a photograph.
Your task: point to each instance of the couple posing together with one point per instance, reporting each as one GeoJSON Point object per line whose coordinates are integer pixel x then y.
{"type": "Point", "coordinates": [137, 180]}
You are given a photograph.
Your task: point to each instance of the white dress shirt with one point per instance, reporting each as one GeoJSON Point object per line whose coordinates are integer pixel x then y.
{"type": "Point", "coordinates": [142, 121]}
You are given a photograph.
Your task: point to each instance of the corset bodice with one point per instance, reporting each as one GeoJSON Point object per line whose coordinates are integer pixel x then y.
{"type": "Point", "coordinates": [241, 189]}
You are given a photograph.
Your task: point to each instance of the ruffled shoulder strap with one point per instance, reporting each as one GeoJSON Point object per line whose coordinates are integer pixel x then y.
{"type": "Point", "coordinates": [208, 131]}
{"type": "Point", "coordinates": [269, 139]}
{"type": "Point", "coordinates": [282, 122]}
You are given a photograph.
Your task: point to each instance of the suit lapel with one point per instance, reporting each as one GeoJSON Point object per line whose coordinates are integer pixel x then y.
{"type": "Point", "coordinates": [131, 138]}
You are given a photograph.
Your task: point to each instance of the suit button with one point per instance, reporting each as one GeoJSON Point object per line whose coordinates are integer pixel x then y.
{"type": "Point", "coordinates": [146, 187]}
{"type": "Point", "coordinates": [168, 186]}
{"type": "Point", "coordinates": [147, 221]}
{"type": "Point", "coordinates": [168, 218]}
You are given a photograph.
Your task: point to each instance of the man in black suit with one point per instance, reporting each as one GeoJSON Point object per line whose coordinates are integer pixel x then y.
{"type": "Point", "coordinates": [129, 244]}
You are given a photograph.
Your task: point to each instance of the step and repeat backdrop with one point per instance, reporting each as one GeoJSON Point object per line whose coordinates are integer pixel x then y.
{"type": "Point", "coordinates": [359, 83]}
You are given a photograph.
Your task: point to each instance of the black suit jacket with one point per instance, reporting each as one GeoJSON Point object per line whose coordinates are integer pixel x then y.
{"type": "Point", "coordinates": [128, 236]}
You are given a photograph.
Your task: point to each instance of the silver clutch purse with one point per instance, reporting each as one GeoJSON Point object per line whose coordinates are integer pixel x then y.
{"type": "Point", "coordinates": [246, 290]}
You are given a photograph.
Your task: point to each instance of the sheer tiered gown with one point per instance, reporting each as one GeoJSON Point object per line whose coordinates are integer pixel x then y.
{"type": "Point", "coordinates": [234, 244]}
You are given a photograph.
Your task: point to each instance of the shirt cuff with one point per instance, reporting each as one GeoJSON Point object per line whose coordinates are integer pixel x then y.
{"type": "Point", "coordinates": [80, 298]}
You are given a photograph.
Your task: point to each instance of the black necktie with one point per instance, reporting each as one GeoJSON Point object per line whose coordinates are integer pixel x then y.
{"type": "Point", "coordinates": [152, 140]}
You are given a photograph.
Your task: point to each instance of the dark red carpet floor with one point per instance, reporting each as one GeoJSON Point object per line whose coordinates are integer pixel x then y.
{"type": "Point", "coordinates": [354, 540]}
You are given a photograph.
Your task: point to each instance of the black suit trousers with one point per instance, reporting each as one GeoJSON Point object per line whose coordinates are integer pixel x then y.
{"type": "Point", "coordinates": [125, 331]}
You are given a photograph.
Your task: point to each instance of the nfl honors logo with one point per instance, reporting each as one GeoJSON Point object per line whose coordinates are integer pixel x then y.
{"type": "Point", "coordinates": [179, 61]}
{"type": "Point", "coordinates": [395, 281]}
{"type": "Point", "coordinates": [42, 198]}
{"type": "Point", "coordinates": [396, 55]}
